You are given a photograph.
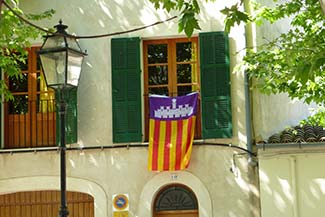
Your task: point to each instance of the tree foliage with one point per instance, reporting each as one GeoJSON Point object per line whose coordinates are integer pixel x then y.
{"type": "Point", "coordinates": [189, 9]}
{"type": "Point", "coordinates": [294, 62]}
{"type": "Point", "coordinates": [316, 119]}
{"type": "Point", "coordinates": [15, 37]}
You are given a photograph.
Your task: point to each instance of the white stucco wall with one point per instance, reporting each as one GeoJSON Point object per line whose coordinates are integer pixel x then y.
{"type": "Point", "coordinates": [100, 17]}
{"type": "Point", "coordinates": [270, 113]}
{"type": "Point", "coordinates": [102, 173]}
{"type": "Point", "coordinates": [292, 181]}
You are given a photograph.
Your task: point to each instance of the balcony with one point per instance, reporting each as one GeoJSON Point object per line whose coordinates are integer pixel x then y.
{"type": "Point", "coordinates": [29, 123]}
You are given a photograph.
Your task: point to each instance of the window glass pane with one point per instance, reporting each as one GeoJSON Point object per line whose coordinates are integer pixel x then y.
{"type": "Point", "coordinates": [19, 84]}
{"type": "Point", "coordinates": [184, 73]}
{"type": "Point", "coordinates": [38, 66]}
{"type": "Point", "coordinates": [23, 65]}
{"type": "Point", "coordinates": [159, 91]}
{"type": "Point", "coordinates": [40, 81]}
{"type": "Point", "coordinates": [157, 53]}
{"type": "Point", "coordinates": [176, 198]}
{"type": "Point", "coordinates": [184, 51]}
{"type": "Point", "coordinates": [158, 75]}
{"type": "Point", "coordinates": [19, 105]}
{"type": "Point", "coordinates": [183, 90]}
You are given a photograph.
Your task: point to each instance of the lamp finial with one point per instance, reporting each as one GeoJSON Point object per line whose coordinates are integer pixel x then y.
{"type": "Point", "coordinates": [60, 28]}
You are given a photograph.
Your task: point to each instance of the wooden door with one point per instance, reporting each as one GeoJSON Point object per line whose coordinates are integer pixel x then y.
{"type": "Point", "coordinates": [176, 201]}
{"type": "Point", "coordinates": [45, 204]}
{"type": "Point", "coordinates": [179, 213]}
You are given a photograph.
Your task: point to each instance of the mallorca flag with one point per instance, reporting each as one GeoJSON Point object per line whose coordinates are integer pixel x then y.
{"type": "Point", "coordinates": [171, 133]}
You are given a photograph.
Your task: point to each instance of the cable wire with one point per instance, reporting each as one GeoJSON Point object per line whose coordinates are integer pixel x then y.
{"type": "Point", "coordinates": [25, 20]}
{"type": "Point", "coordinates": [226, 145]}
{"type": "Point", "coordinates": [86, 36]}
{"type": "Point", "coordinates": [123, 32]}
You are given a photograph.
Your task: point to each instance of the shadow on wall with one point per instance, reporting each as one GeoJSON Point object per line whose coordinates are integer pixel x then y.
{"type": "Point", "coordinates": [100, 17]}
{"type": "Point", "coordinates": [292, 186]}
{"type": "Point", "coordinates": [238, 95]}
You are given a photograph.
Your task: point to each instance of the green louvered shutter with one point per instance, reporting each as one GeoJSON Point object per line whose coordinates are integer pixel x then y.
{"type": "Point", "coordinates": [215, 85]}
{"type": "Point", "coordinates": [126, 90]}
{"type": "Point", "coordinates": [1, 112]}
{"type": "Point", "coordinates": [71, 122]}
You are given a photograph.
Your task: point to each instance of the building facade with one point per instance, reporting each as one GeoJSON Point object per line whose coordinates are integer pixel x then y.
{"type": "Point", "coordinates": [107, 123]}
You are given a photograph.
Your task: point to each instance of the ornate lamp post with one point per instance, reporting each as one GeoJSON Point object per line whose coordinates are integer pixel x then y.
{"type": "Point", "coordinates": [61, 59]}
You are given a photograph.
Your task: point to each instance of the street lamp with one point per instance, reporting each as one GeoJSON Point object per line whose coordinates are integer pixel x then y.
{"type": "Point", "coordinates": [61, 59]}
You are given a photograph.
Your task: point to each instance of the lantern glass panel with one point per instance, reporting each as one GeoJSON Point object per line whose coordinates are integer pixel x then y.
{"type": "Point", "coordinates": [54, 68]}
{"type": "Point", "coordinates": [54, 42]}
{"type": "Point", "coordinates": [74, 67]}
{"type": "Point", "coordinates": [72, 43]}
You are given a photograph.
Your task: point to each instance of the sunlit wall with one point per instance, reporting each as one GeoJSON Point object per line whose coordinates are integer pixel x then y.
{"type": "Point", "coordinates": [219, 176]}
{"type": "Point", "coordinates": [292, 181]}
{"type": "Point", "coordinates": [101, 17]}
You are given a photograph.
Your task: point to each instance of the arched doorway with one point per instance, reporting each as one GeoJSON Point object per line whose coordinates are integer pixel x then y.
{"type": "Point", "coordinates": [176, 201]}
{"type": "Point", "coordinates": [45, 203]}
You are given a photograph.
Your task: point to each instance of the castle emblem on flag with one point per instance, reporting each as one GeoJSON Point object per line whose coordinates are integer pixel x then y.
{"type": "Point", "coordinates": [174, 112]}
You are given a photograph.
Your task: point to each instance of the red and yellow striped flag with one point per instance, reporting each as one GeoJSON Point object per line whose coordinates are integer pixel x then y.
{"type": "Point", "coordinates": [171, 131]}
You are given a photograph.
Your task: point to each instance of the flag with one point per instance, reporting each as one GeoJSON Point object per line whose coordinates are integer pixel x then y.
{"type": "Point", "coordinates": [171, 131]}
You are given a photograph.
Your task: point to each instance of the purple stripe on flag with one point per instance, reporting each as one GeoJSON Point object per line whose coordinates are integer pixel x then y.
{"type": "Point", "coordinates": [173, 108]}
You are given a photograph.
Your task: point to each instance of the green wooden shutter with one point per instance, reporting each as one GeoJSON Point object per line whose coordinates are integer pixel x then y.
{"type": "Point", "coordinates": [126, 90]}
{"type": "Point", "coordinates": [215, 85]}
{"type": "Point", "coordinates": [1, 112]}
{"type": "Point", "coordinates": [71, 122]}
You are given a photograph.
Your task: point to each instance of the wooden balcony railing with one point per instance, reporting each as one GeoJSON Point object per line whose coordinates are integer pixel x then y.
{"type": "Point", "coordinates": [30, 124]}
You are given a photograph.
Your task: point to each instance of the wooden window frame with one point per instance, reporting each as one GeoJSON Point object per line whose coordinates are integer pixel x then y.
{"type": "Point", "coordinates": [172, 76]}
{"type": "Point", "coordinates": [29, 134]}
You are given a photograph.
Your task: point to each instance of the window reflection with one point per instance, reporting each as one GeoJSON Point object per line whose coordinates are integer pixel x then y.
{"type": "Point", "coordinates": [159, 91]}
{"type": "Point", "coordinates": [157, 53]}
{"type": "Point", "coordinates": [184, 52]}
{"type": "Point", "coordinates": [158, 75]}
{"type": "Point", "coordinates": [19, 84]}
{"type": "Point", "coordinates": [184, 73]}
{"type": "Point", "coordinates": [23, 65]}
{"type": "Point", "coordinates": [19, 105]}
{"type": "Point", "coordinates": [183, 90]}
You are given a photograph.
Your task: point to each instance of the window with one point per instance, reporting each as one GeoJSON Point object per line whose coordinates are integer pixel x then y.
{"type": "Point", "coordinates": [30, 87]}
{"type": "Point", "coordinates": [176, 200]}
{"type": "Point", "coordinates": [30, 118]}
{"type": "Point", "coordinates": [171, 67]}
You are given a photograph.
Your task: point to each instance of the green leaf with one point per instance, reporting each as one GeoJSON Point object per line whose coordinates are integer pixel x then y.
{"type": "Point", "coordinates": [15, 35]}
{"type": "Point", "coordinates": [188, 23]}
{"type": "Point", "coordinates": [196, 6]}
{"type": "Point", "coordinates": [303, 72]}
{"type": "Point", "coordinates": [234, 15]}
